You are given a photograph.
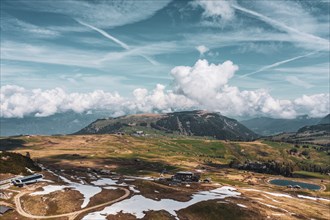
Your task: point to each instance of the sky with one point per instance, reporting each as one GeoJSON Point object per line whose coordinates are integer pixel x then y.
{"type": "Point", "coordinates": [243, 58]}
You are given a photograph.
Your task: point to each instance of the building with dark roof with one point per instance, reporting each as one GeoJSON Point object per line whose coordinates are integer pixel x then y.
{"type": "Point", "coordinates": [183, 176]}
{"type": "Point", "coordinates": [4, 209]}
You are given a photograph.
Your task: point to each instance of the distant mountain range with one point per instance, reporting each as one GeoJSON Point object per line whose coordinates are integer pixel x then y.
{"type": "Point", "coordinates": [197, 123]}
{"type": "Point", "coordinates": [325, 120]}
{"type": "Point", "coordinates": [272, 126]}
{"type": "Point", "coordinates": [62, 123]}
{"type": "Point", "coordinates": [187, 123]}
{"type": "Point", "coordinates": [313, 134]}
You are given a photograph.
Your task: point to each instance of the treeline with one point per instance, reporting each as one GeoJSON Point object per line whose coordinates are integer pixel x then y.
{"type": "Point", "coordinates": [269, 167]}
{"type": "Point", "coordinates": [278, 168]}
{"type": "Point", "coordinates": [297, 142]}
{"type": "Point", "coordinates": [314, 168]}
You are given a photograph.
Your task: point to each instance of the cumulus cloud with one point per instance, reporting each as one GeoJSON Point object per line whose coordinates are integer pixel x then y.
{"type": "Point", "coordinates": [17, 102]}
{"type": "Point", "coordinates": [207, 84]}
{"type": "Point", "coordinates": [202, 49]}
{"type": "Point", "coordinates": [202, 80]}
{"type": "Point", "coordinates": [201, 86]}
{"type": "Point", "coordinates": [315, 105]}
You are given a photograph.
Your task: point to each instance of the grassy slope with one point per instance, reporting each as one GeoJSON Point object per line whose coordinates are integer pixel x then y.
{"type": "Point", "coordinates": [16, 163]}
{"type": "Point", "coordinates": [307, 174]}
{"type": "Point", "coordinates": [213, 210]}
{"type": "Point", "coordinates": [159, 153]}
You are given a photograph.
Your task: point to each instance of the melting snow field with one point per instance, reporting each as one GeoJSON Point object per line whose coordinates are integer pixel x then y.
{"type": "Point", "coordinates": [107, 181]}
{"type": "Point", "coordinates": [49, 189]}
{"type": "Point", "coordinates": [88, 191]}
{"type": "Point", "coordinates": [104, 182]}
{"type": "Point", "coordinates": [138, 204]}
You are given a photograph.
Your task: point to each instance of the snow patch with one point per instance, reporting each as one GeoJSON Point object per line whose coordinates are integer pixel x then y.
{"type": "Point", "coordinates": [49, 189]}
{"type": "Point", "coordinates": [241, 205]}
{"type": "Point", "coordinates": [110, 187]}
{"type": "Point", "coordinates": [138, 204]}
{"type": "Point", "coordinates": [132, 188]}
{"type": "Point", "coordinates": [313, 198]}
{"type": "Point", "coordinates": [270, 193]}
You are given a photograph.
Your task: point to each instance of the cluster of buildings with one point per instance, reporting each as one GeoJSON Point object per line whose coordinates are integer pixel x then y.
{"type": "Point", "coordinates": [183, 176]}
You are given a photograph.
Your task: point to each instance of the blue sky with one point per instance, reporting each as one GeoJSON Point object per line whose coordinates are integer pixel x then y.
{"type": "Point", "coordinates": [120, 47]}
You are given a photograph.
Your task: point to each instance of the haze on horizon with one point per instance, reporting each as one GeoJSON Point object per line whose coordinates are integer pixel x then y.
{"type": "Point", "coordinates": [240, 58]}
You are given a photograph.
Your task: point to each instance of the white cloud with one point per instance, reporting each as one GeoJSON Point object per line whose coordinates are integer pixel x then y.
{"type": "Point", "coordinates": [202, 86]}
{"type": "Point", "coordinates": [18, 102]}
{"type": "Point", "coordinates": [13, 26]}
{"type": "Point", "coordinates": [70, 56]}
{"type": "Point", "coordinates": [291, 13]}
{"type": "Point", "coordinates": [159, 100]}
{"type": "Point", "coordinates": [202, 49]}
{"type": "Point", "coordinates": [207, 84]}
{"type": "Point", "coordinates": [217, 10]}
{"type": "Point", "coordinates": [52, 54]}
{"type": "Point", "coordinates": [300, 37]}
{"type": "Point", "coordinates": [285, 18]}
{"type": "Point", "coordinates": [203, 80]}
{"type": "Point", "coordinates": [315, 105]}
{"type": "Point", "coordinates": [298, 82]}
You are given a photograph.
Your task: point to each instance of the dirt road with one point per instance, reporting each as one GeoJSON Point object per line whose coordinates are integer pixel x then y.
{"type": "Point", "coordinates": [71, 215]}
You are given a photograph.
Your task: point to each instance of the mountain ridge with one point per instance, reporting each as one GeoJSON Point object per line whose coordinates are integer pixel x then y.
{"type": "Point", "coordinates": [185, 123]}
{"type": "Point", "coordinates": [271, 126]}
{"type": "Point", "coordinates": [311, 134]}
{"type": "Point", "coordinates": [325, 120]}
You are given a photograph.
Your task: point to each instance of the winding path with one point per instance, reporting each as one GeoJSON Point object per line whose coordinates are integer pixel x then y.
{"type": "Point", "coordinates": [70, 215]}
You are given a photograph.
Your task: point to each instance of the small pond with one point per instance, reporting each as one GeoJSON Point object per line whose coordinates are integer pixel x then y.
{"type": "Point", "coordinates": [283, 182]}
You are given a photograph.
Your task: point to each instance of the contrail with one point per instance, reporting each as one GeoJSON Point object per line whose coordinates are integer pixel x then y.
{"type": "Point", "coordinates": [105, 34]}
{"type": "Point", "coordinates": [306, 37]}
{"type": "Point", "coordinates": [116, 40]}
{"type": "Point", "coordinates": [294, 33]}
{"type": "Point", "coordinates": [278, 63]}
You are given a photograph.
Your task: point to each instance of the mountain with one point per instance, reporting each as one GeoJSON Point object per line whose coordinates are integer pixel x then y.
{"type": "Point", "coordinates": [187, 123]}
{"type": "Point", "coordinates": [271, 126]}
{"type": "Point", "coordinates": [313, 134]}
{"type": "Point", "coordinates": [61, 123]}
{"type": "Point", "coordinates": [325, 120]}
